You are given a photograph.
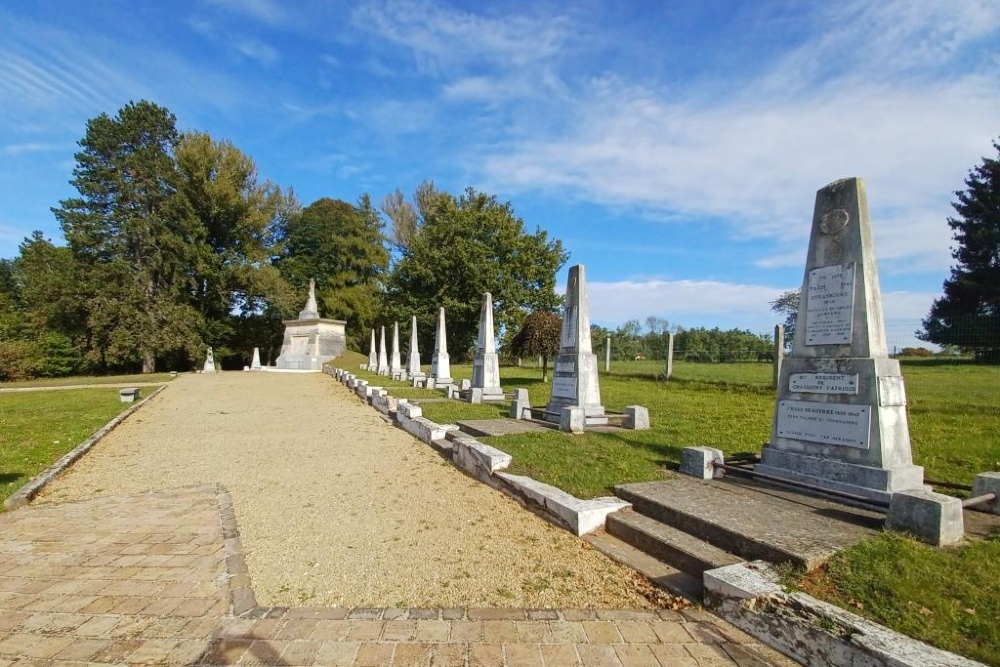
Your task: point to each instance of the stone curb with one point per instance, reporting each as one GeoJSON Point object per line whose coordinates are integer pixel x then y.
{"type": "Point", "coordinates": [26, 493]}
{"type": "Point", "coordinates": [689, 615]}
{"type": "Point", "coordinates": [808, 630]}
{"type": "Point", "coordinates": [484, 462]}
{"type": "Point", "coordinates": [241, 595]}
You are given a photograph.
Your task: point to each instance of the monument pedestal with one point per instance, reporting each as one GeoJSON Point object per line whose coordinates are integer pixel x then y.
{"type": "Point", "coordinates": [310, 341]}
{"type": "Point", "coordinates": [485, 384]}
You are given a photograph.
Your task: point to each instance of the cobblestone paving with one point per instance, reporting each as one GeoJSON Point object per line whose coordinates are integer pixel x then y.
{"type": "Point", "coordinates": [155, 578]}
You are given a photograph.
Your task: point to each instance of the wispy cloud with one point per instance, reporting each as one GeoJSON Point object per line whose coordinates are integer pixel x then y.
{"type": "Point", "coordinates": [255, 50]}
{"type": "Point", "coordinates": [33, 147]}
{"type": "Point", "coordinates": [264, 11]}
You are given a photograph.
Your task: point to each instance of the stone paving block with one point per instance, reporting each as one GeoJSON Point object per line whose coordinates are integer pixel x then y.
{"type": "Point", "coordinates": [485, 655]}
{"type": "Point", "coordinates": [399, 631]}
{"type": "Point", "coordinates": [296, 629]}
{"type": "Point", "coordinates": [625, 615]}
{"type": "Point", "coordinates": [522, 655]}
{"type": "Point", "coordinates": [466, 631]}
{"type": "Point", "coordinates": [187, 652]}
{"type": "Point", "coordinates": [637, 632]}
{"type": "Point", "coordinates": [496, 615]}
{"type": "Point", "coordinates": [499, 632]}
{"type": "Point", "coordinates": [709, 655]}
{"type": "Point", "coordinates": [579, 614]}
{"type": "Point", "coordinates": [409, 654]}
{"type": "Point", "coordinates": [374, 655]}
{"type": "Point", "coordinates": [704, 633]}
{"type": "Point", "coordinates": [542, 615]}
{"type": "Point", "coordinates": [533, 631]}
{"type": "Point", "coordinates": [567, 632]}
{"type": "Point", "coordinates": [448, 655]}
{"type": "Point", "coordinates": [636, 655]}
{"type": "Point", "coordinates": [559, 655]}
{"type": "Point", "coordinates": [300, 653]}
{"type": "Point", "coordinates": [598, 655]}
{"type": "Point", "coordinates": [433, 631]}
{"type": "Point", "coordinates": [117, 651]}
{"type": "Point", "coordinates": [337, 654]}
{"type": "Point", "coordinates": [602, 632]}
{"type": "Point", "coordinates": [330, 630]}
{"type": "Point", "coordinates": [365, 630]}
{"type": "Point", "coordinates": [669, 632]}
{"type": "Point", "coordinates": [674, 655]}
{"type": "Point", "coordinates": [152, 652]}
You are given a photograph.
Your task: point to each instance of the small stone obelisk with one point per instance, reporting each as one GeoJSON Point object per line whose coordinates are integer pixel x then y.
{"type": "Point", "coordinates": [372, 355]}
{"type": "Point", "coordinates": [840, 419]}
{"type": "Point", "coordinates": [383, 358]}
{"type": "Point", "coordinates": [255, 363]}
{"type": "Point", "coordinates": [209, 366]}
{"type": "Point", "coordinates": [413, 359]}
{"type": "Point", "coordinates": [485, 362]}
{"type": "Point", "coordinates": [394, 363]}
{"type": "Point", "coordinates": [440, 362]}
{"type": "Point", "coordinates": [574, 382]}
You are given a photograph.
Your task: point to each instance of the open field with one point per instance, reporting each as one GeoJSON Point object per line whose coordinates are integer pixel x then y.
{"type": "Point", "coordinates": [37, 428]}
{"type": "Point", "coordinates": [88, 380]}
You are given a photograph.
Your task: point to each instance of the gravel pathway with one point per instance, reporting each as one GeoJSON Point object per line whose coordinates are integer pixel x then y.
{"type": "Point", "coordinates": [336, 507]}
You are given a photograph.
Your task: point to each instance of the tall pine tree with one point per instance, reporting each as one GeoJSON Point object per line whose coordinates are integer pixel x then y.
{"type": "Point", "coordinates": [968, 315]}
{"type": "Point", "coordinates": [135, 239]}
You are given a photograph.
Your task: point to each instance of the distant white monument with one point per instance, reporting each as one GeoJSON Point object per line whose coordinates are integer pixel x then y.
{"type": "Point", "coordinates": [395, 366]}
{"type": "Point", "coordinates": [383, 359]}
{"type": "Point", "coordinates": [413, 359]}
{"type": "Point", "coordinates": [840, 419]}
{"type": "Point", "coordinates": [440, 362]}
{"type": "Point", "coordinates": [209, 366]}
{"type": "Point", "coordinates": [574, 381]}
{"type": "Point", "coordinates": [485, 362]}
{"type": "Point", "coordinates": [310, 341]}
{"type": "Point", "coordinates": [372, 355]}
{"type": "Point", "coordinates": [255, 364]}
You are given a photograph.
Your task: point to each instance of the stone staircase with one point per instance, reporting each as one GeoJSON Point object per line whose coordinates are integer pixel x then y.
{"type": "Point", "coordinates": [678, 528]}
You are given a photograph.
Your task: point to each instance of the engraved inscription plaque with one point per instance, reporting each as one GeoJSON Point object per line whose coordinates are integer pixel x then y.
{"type": "Point", "coordinates": [823, 383]}
{"type": "Point", "coordinates": [830, 305]}
{"type": "Point", "coordinates": [890, 391]}
{"type": "Point", "coordinates": [564, 387]}
{"type": "Point", "coordinates": [565, 367]}
{"type": "Point", "coordinates": [569, 330]}
{"type": "Point", "coordinates": [826, 423]}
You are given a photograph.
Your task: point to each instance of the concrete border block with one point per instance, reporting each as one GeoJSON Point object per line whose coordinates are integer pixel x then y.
{"type": "Point", "coordinates": [812, 632]}
{"type": "Point", "coordinates": [988, 482]}
{"type": "Point", "coordinates": [636, 418]}
{"type": "Point", "coordinates": [478, 459]}
{"type": "Point", "coordinates": [128, 394]}
{"type": "Point", "coordinates": [579, 516]}
{"type": "Point", "coordinates": [932, 517]}
{"type": "Point", "coordinates": [573, 419]}
{"type": "Point", "coordinates": [700, 462]}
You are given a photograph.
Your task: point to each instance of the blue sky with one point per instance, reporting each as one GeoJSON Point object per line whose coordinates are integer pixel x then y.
{"type": "Point", "coordinates": [674, 147]}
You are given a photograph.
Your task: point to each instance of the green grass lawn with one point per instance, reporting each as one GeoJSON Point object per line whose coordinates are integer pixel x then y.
{"type": "Point", "coordinates": [95, 379]}
{"type": "Point", "coordinates": [37, 428]}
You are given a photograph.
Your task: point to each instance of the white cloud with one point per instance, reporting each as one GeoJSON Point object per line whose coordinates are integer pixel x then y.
{"type": "Point", "coordinates": [262, 53]}
{"type": "Point", "coordinates": [33, 147]}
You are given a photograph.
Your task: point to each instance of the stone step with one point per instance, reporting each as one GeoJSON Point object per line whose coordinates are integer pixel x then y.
{"type": "Point", "coordinates": [751, 520]}
{"type": "Point", "coordinates": [668, 544]}
{"type": "Point", "coordinates": [662, 575]}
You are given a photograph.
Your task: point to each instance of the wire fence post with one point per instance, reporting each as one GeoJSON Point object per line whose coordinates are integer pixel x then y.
{"type": "Point", "coordinates": [779, 352]}
{"type": "Point", "coordinates": [670, 355]}
{"type": "Point", "coordinates": [607, 354]}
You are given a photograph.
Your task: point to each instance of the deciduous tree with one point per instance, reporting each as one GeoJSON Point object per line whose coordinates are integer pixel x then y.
{"type": "Point", "coordinates": [539, 336]}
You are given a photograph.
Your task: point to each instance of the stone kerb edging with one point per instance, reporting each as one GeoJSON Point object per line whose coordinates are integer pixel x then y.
{"type": "Point", "coordinates": [26, 493]}
{"type": "Point", "coordinates": [485, 462]}
{"type": "Point", "coordinates": [813, 632]}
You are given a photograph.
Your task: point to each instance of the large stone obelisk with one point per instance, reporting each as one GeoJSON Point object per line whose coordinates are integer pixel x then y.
{"type": "Point", "coordinates": [383, 358]}
{"type": "Point", "coordinates": [485, 362]}
{"type": "Point", "coordinates": [440, 362]}
{"type": "Point", "coordinates": [840, 419]}
{"type": "Point", "coordinates": [395, 367]}
{"type": "Point", "coordinates": [574, 382]}
{"type": "Point", "coordinates": [372, 355]}
{"type": "Point", "coordinates": [413, 359]}
{"type": "Point", "coordinates": [310, 341]}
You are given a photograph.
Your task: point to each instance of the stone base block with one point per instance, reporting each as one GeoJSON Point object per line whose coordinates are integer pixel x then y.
{"type": "Point", "coordinates": [465, 385]}
{"type": "Point", "coordinates": [700, 462]}
{"type": "Point", "coordinates": [572, 419]}
{"type": "Point", "coordinates": [636, 418]}
{"type": "Point", "coordinates": [988, 482]}
{"type": "Point", "coordinates": [932, 517]}
{"type": "Point", "coordinates": [520, 404]}
{"type": "Point", "coordinates": [128, 394]}
{"type": "Point", "coordinates": [855, 479]}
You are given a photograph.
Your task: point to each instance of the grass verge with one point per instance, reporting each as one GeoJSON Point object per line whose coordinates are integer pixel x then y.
{"type": "Point", "coordinates": [85, 380]}
{"type": "Point", "coordinates": [946, 597]}
{"type": "Point", "coordinates": [38, 428]}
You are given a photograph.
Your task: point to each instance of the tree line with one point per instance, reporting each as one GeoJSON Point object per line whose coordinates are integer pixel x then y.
{"type": "Point", "coordinates": [174, 244]}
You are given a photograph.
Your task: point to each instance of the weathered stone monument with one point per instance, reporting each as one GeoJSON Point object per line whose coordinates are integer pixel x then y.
{"type": "Point", "coordinates": [413, 359]}
{"type": "Point", "coordinates": [440, 362]}
{"type": "Point", "coordinates": [209, 366]}
{"type": "Point", "coordinates": [310, 341]}
{"type": "Point", "coordinates": [255, 362]}
{"type": "Point", "coordinates": [383, 359]}
{"type": "Point", "coordinates": [575, 388]}
{"type": "Point", "coordinates": [395, 367]}
{"type": "Point", "coordinates": [372, 355]}
{"type": "Point", "coordinates": [485, 362]}
{"type": "Point", "coordinates": [840, 419]}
